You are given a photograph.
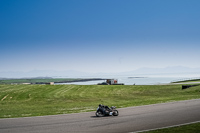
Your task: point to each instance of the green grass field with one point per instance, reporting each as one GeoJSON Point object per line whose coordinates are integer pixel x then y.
{"type": "Point", "coordinates": [38, 100]}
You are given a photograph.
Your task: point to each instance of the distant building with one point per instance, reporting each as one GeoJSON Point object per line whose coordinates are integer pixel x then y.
{"type": "Point", "coordinates": [26, 83]}
{"type": "Point", "coordinates": [50, 83]}
{"type": "Point", "coordinates": [111, 81]}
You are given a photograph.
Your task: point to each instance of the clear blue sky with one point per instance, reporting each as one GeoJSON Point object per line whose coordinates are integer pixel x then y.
{"type": "Point", "coordinates": [98, 35]}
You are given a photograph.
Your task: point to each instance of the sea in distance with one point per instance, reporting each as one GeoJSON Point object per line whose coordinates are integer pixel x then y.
{"type": "Point", "coordinates": [138, 79]}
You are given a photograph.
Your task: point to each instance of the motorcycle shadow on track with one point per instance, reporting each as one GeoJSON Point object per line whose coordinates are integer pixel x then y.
{"type": "Point", "coordinates": [103, 117]}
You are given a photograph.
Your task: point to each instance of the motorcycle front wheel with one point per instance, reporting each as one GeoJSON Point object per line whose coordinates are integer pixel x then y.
{"type": "Point", "coordinates": [115, 113]}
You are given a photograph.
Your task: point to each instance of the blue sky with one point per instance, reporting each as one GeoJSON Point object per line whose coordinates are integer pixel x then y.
{"type": "Point", "coordinates": [98, 35]}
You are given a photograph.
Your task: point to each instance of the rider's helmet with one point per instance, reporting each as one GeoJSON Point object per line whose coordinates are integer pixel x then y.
{"type": "Point", "coordinates": [100, 105]}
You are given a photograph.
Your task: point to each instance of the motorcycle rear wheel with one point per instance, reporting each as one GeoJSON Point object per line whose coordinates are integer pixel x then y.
{"type": "Point", "coordinates": [99, 114]}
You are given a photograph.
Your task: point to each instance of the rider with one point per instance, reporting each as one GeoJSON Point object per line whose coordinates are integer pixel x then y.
{"type": "Point", "coordinates": [105, 107]}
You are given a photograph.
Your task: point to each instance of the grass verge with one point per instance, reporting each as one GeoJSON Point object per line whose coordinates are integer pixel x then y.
{"type": "Point", "coordinates": [190, 128]}
{"type": "Point", "coordinates": [38, 100]}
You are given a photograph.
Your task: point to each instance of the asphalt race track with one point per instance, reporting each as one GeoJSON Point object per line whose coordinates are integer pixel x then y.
{"type": "Point", "coordinates": [130, 119]}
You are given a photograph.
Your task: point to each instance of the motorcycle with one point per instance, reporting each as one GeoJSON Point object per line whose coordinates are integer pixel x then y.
{"type": "Point", "coordinates": [106, 111]}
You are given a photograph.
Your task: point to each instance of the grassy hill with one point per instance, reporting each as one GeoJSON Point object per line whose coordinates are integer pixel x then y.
{"type": "Point", "coordinates": [189, 80]}
{"type": "Point", "coordinates": [38, 100]}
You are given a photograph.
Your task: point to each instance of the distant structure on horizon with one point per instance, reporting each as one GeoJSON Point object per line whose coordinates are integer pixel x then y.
{"type": "Point", "coordinates": [111, 81]}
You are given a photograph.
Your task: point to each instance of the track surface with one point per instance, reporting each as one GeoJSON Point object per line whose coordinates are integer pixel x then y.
{"type": "Point", "coordinates": [130, 119]}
